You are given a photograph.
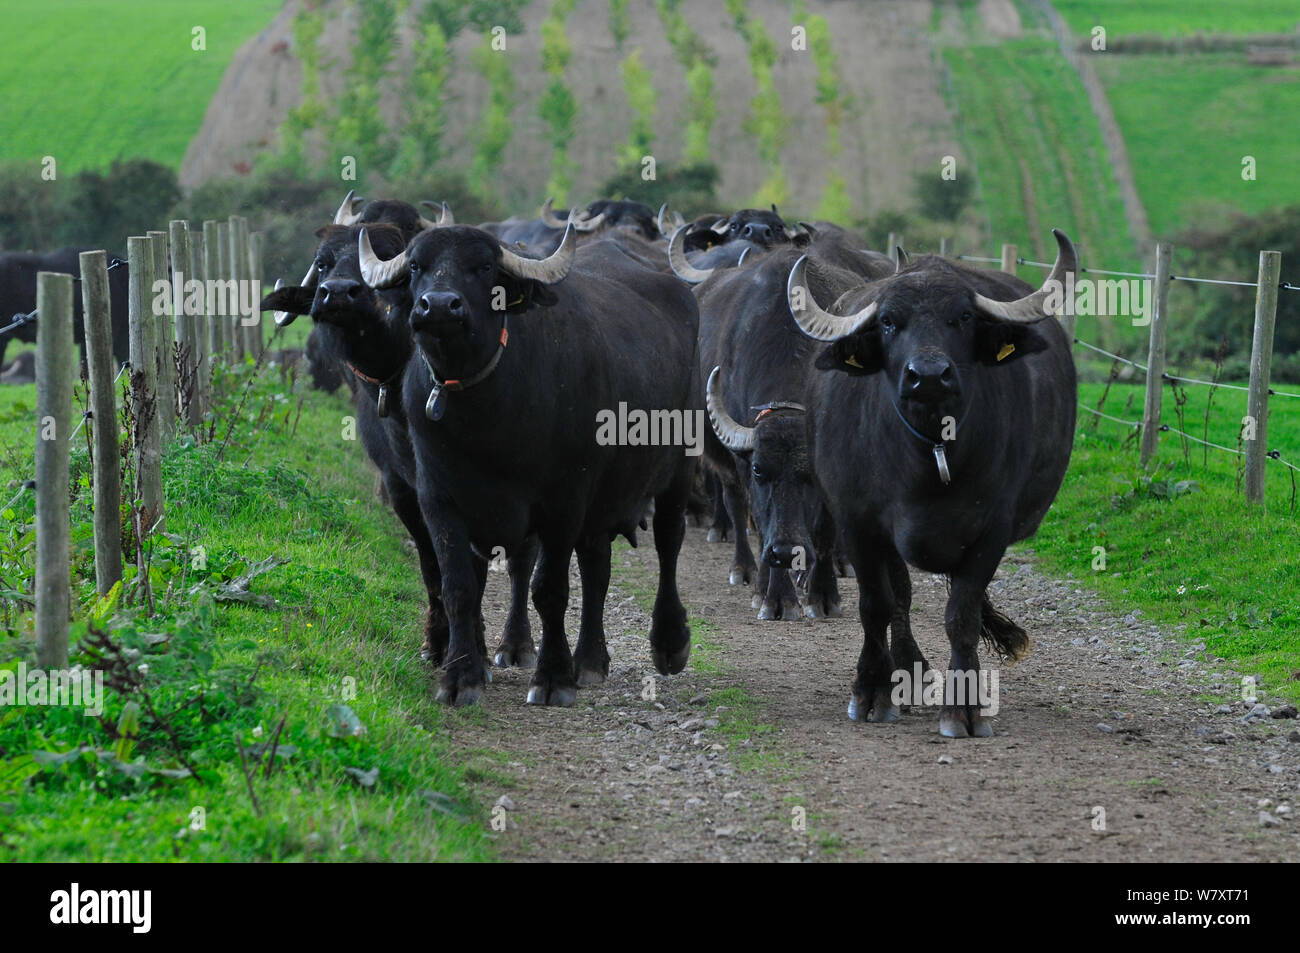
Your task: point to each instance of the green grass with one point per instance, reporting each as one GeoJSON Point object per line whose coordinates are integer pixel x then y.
{"type": "Point", "coordinates": [347, 619]}
{"type": "Point", "coordinates": [1189, 120]}
{"type": "Point", "coordinates": [1205, 559]}
{"type": "Point", "coordinates": [1026, 124]}
{"type": "Point", "coordinates": [1180, 17]}
{"type": "Point", "coordinates": [90, 82]}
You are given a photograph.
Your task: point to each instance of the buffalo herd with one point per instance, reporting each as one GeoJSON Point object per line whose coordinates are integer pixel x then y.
{"type": "Point", "coordinates": [863, 412]}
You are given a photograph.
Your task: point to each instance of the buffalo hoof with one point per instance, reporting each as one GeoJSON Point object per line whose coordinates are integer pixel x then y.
{"type": "Point", "coordinates": [823, 610]}
{"type": "Point", "coordinates": [717, 535]}
{"type": "Point", "coordinates": [552, 693]}
{"type": "Point", "coordinates": [771, 611]}
{"type": "Point", "coordinates": [741, 575]}
{"type": "Point", "coordinates": [964, 721]}
{"type": "Point", "coordinates": [879, 709]}
{"type": "Point", "coordinates": [431, 654]}
{"type": "Point", "coordinates": [670, 662]}
{"type": "Point", "coordinates": [459, 694]}
{"type": "Point", "coordinates": [515, 656]}
{"type": "Point", "coordinates": [756, 601]}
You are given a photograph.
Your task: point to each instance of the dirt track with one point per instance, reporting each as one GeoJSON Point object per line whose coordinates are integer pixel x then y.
{"type": "Point", "coordinates": [621, 777]}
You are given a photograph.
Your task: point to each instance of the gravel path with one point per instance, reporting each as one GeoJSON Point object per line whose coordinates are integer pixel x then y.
{"type": "Point", "coordinates": [749, 756]}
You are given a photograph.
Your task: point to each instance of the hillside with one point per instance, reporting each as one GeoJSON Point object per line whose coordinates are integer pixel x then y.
{"type": "Point", "coordinates": [90, 83]}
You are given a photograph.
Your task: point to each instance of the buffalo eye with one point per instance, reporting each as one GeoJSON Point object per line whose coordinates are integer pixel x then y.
{"type": "Point", "coordinates": [415, 267]}
{"type": "Point", "coordinates": [887, 323]}
{"type": "Point", "coordinates": [966, 316]}
{"type": "Point", "coordinates": [484, 269]}
{"type": "Point", "coordinates": [735, 226]}
{"type": "Point", "coordinates": [760, 475]}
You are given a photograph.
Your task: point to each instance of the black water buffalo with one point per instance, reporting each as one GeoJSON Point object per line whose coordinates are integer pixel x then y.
{"type": "Point", "coordinates": [325, 372]}
{"type": "Point", "coordinates": [539, 237]}
{"type": "Point", "coordinates": [367, 333]}
{"type": "Point", "coordinates": [18, 296]}
{"type": "Point", "coordinates": [764, 367]}
{"type": "Point", "coordinates": [523, 366]}
{"type": "Point", "coordinates": [940, 428]}
{"type": "Point", "coordinates": [696, 251]}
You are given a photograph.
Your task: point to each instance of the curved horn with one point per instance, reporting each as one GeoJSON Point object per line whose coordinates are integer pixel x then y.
{"type": "Point", "coordinates": [721, 226]}
{"type": "Point", "coordinates": [812, 320]}
{"type": "Point", "coordinates": [444, 215]}
{"type": "Point", "coordinates": [285, 318]}
{"type": "Point", "coordinates": [659, 221]}
{"type": "Point", "coordinates": [1032, 307]}
{"type": "Point", "coordinates": [744, 251]}
{"type": "Point", "coordinates": [548, 216]}
{"type": "Point", "coordinates": [900, 259]}
{"type": "Point", "coordinates": [585, 224]}
{"type": "Point", "coordinates": [677, 258]}
{"type": "Point", "coordinates": [549, 270]}
{"type": "Point", "coordinates": [801, 229]}
{"type": "Point", "coordinates": [734, 437]}
{"type": "Point", "coordinates": [344, 215]}
{"type": "Point", "coordinates": [376, 272]}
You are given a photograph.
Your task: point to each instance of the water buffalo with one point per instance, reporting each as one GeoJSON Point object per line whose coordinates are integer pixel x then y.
{"type": "Point", "coordinates": [18, 297]}
{"type": "Point", "coordinates": [765, 364]}
{"type": "Point", "coordinates": [521, 365]}
{"type": "Point", "coordinates": [367, 333]}
{"type": "Point", "coordinates": [940, 427]}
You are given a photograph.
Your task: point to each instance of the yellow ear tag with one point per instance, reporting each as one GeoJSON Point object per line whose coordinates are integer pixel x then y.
{"type": "Point", "coordinates": [852, 361]}
{"type": "Point", "coordinates": [1006, 349]}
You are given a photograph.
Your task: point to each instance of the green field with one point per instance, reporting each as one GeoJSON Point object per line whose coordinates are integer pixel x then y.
{"type": "Point", "coordinates": [129, 87]}
{"type": "Point", "coordinates": [1203, 559]}
{"type": "Point", "coordinates": [1025, 120]}
{"type": "Point", "coordinates": [347, 622]}
{"type": "Point", "coordinates": [1181, 18]}
{"type": "Point", "coordinates": [1192, 153]}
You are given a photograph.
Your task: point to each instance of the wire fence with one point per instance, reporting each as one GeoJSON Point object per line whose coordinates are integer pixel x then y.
{"type": "Point", "coordinates": [1137, 426]}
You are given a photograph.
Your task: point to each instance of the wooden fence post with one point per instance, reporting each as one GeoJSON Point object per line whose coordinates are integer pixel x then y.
{"type": "Point", "coordinates": [238, 259]}
{"type": "Point", "coordinates": [179, 243]}
{"type": "Point", "coordinates": [1261, 365]}
{"type": "Point", "coordinates": [944, 245]}
{"type": "Point", "coordinates": [202, 344]}
{"type": "Point", "coordinates": [231, 351]}
{"type": "Point", "coordinates": [212, 273]}
{"type": "Point", "coordinates": [56, 365]}
{"type": "Point", "coordinates": [166, 385]}
{"type": "Point", "coordinates": [144, 404]}
{"type": "Point", "coordinates": [257, 340]}
{"type": "Point", "coordinates": [1156, 355]}
{"type": "Point", "coordinates": [100, 367]}
{"type": "Point", "coordinates": [1009, 259]}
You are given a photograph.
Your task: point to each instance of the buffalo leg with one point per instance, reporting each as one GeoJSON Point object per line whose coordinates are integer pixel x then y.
{"type": "Point", "coordinates": [553, 682]}
{"type": "Point", "coordinates": [963, 617]}
{"type": "Point", "coordinates": [591, 658]}
{"type": "Point", "coordinates": [901, 643]}
{"type": "Point", "coordinates": [872, 688]}
{"type": "Point", "coordinates": [670, 635]}
{"type": "Point", "coordinates": [780, 601]}
{"type": "Point", "coordinates": [743, 566]}
{"type": "Point", "coordinates": [721, 521]}
{"type": "Point", "coordinates": [516, 645]}
{"type": "Point", "coordinates": [823, 591]}
{"type": "Point", "coordinates": [463, 672]}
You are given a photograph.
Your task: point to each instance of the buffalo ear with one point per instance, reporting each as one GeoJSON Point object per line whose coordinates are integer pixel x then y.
{"type": "Point", "coordinates": [999, 342]}
{"type": "Point", "coordinates": [857, 354]}
{"type": "Point", "coordinates": [294, 299]}
{"type": "Point", "coordinates": [524, 294]}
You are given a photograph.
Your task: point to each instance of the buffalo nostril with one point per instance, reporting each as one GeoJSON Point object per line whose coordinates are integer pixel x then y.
{"type": "Point", "coordinates": [422, 306]}
{"type": "Point", "coordinates": [946, 378]}
{"type": "Point", "coordinates": [455, 306]}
